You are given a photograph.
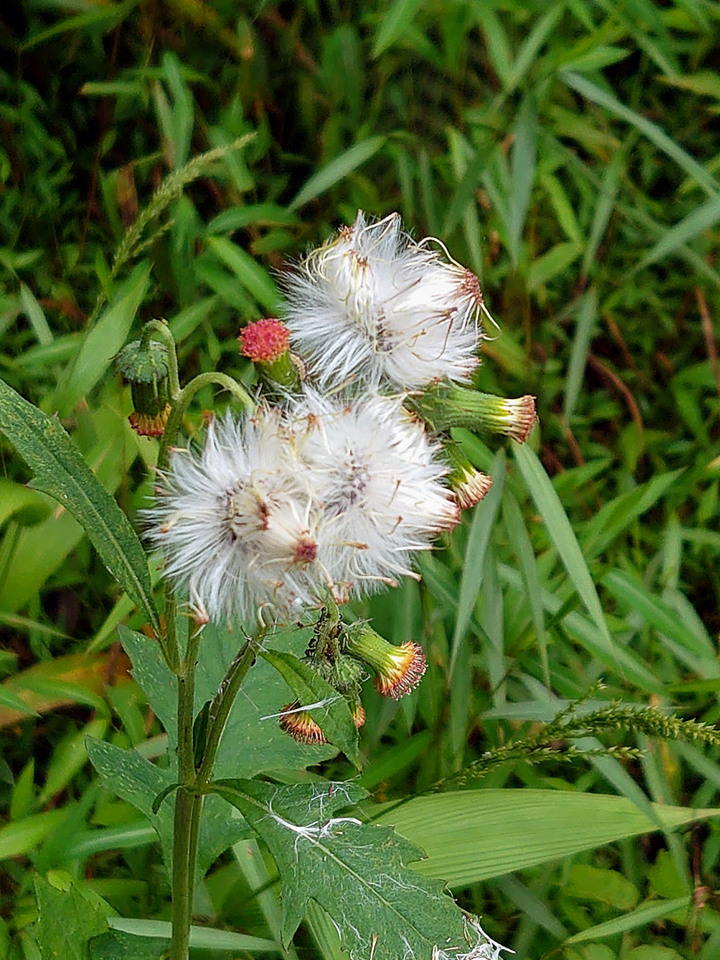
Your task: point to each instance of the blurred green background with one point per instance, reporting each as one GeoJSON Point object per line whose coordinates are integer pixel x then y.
{"type": "Point", "coordinates": [569, 154]}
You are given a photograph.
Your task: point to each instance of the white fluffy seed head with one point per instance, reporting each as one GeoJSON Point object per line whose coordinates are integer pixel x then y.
{"type": "Point", "coordinates": [324, 494]}
{"type": "Point", "coordinates": [378, 481]}
{"type": "Point", "coordinates": [374, 307]}
{"type": "Point", "coordinates": [236, 522]}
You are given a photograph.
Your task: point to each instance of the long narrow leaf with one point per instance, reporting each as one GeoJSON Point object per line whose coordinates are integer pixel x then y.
{"type": "Point", "coordinates": [472, 835]}
{"type": "Point", "coordinates": [647, 913]}
{"type": "Point", "coordinates": [586, 317]}
{"type": "Point", "coordinates": [478, 540]}
{"type": "Point", "coordinates": [61, 472]}
{"type": "Point", "coordinates": [337, 170]}
{"type": "Point", "coordinates": [561, 533]}
{"type": "Point", "coordinates": [689, 164]}
{"type": "Point", "coordinates": [102, 342]}
{"type": "Point", "coordinates": [683, 232]}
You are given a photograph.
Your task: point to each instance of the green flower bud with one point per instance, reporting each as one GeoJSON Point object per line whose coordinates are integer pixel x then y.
{"type": "Point", "coordinates": [144, 363]}
{"type": "Point", "coordinates": [468, 484]}
{"type": "Point", "coordinates": [398, 670]}
{"type": "Point", "coordinates": [445, 405]}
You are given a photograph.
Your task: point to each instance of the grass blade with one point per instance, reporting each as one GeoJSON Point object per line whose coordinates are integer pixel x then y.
{"type": "Point", "coordinates": [523, 174]}
{"type": "Point", "coordinates": [394, 24]}
{"type": "Point", "coordinates": [472, 835]}
{"type": "Point", "coordinates": [337, 170]}
{"type": "Point", "coordinates": [689, 227]}
{"type": "Point", "coordinates": [662, 141]}
{"type": "Point", "coordinates": [586, 317]}
{"type": "Point", "coordinates": [561, 533]}
{"type": "Point", "coordinates": [478, 539]}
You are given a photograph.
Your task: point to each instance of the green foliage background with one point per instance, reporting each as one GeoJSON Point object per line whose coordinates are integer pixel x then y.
{"type": "Point", "coordinates": [569, 153]}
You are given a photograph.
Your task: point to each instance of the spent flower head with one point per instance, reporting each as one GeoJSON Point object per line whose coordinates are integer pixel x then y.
{"type": "Point", "coordinates": [320, 494]}
{"type": "Point", "coordinates": [373, 306]}
{"type": "Point", "coordinates": [378, 479]}
{"type": "Point", "coordinates": [237, 521]}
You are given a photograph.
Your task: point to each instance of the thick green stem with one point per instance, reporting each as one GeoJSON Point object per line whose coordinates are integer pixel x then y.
{"type": "Point", "coordinates": [182, 401]}
{"type": "Point", "coordinates": [187, 809]}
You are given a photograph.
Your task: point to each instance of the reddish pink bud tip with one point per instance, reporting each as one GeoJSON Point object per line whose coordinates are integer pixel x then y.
{"type": "Point", "coordinates": [264, 341]}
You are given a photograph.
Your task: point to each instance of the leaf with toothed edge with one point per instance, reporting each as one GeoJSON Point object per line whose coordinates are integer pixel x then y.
{"type": "Point", "coordinates": [356, 871]}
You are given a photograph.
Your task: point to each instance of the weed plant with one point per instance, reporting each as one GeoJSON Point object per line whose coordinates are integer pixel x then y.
{"type": "Point", "coordinates": [568, 153]}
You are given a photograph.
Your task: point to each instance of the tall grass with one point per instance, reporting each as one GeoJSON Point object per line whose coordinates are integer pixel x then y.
{"type": "Point", "coordinates": [567, 153]}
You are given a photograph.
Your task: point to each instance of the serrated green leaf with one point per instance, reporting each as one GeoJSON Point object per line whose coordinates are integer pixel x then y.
{"type": "Point", "coordinates": [334, 717]}
{"type": "Point", "coordinates": [61, 472]}
{"type": "Point", "coordinates": [253, 741]}
{"type": "Point", "coordinates": [355, 871]}
{"type": "Point", "coordinates": [140, 782]}
{"type": "Point", "coordinates": [67, 920]}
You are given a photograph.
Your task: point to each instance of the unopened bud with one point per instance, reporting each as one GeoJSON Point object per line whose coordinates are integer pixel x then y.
{"type": "Point", "coordinates": [299, 724]}
{"type": "Point", "coordinates": [467, 484]}
{"type": "Point", "coordinates": [398, 670]}
{"type": "Point", "coordinates": [144, 364]}
{"type": "Point", "coordinates": [266, 343]}
{"type": "Point", "coordinates": [445, 405]}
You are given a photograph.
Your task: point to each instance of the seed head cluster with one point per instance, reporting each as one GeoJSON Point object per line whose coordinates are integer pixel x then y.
{"type": "Point", "coordinates": [332, 487]}
{"type": "Point", "coordinates": [319, 494]}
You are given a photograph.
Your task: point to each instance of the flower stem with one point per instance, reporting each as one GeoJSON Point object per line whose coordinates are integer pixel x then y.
{"type": "Point", "coordinates": [162, 329]}
{"type": "Point", "coordinates": [187, 805]}
{"type": "Point", "coordinates": [182, 401]}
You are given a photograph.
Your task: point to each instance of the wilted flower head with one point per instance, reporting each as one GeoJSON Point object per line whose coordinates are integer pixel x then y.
{"type": "Point", "coordinates": [376, 307]}
{"type": "Point", "coordinates": [321, 494]}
